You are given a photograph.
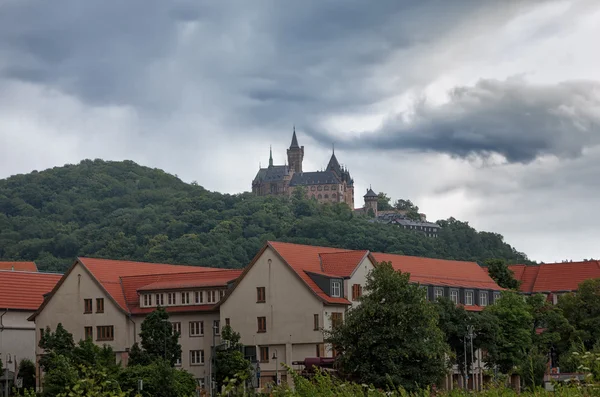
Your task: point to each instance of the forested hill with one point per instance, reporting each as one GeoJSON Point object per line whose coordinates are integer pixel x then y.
{"type": "Point", "coordinates": [122, 210]}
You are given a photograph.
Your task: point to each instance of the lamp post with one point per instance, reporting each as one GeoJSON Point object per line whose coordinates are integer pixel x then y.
{"type": "Point", "coordinates": [8, 361]}
{"type": "Point", "coordinates": [276, 358]}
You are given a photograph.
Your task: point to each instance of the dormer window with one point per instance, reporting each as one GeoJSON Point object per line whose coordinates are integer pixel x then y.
{"type": "Point", "coordinates": [171, 298]}
{"type": "Point", "coordinates": [147, 300]}
{"type": "Point", "coordinates": [160, 300]}
{"type": "Point", "coordinates": [336, 288]}
{"type": "Point", "coordinates": [185, 298]}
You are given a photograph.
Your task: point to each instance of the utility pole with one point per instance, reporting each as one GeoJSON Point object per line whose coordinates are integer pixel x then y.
{"type": "Point", "coordinates": [470, 328]}
{"type": "Point", "coordinates": [466, 373]}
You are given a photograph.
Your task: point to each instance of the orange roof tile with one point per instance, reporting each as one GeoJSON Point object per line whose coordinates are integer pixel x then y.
{"type": "Point", "coordinates": [25, 290]}
{"type": "Point", "coordinates": [555, 277]}
{"type": "Point", "coordinates": [307, 258]}
{"type": "Point", "coordinates": [19, 266]}
{"type": "Point", "coordinates": [108, 272]}
{"type": "Point", "coordinates": [341, 264]}
{"type": "Point", "coordinates": [440, 271]}
{"type": "Point", "coordinates": [473, 308]}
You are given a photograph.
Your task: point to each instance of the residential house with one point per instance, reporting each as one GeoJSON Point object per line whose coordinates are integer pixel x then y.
{"type": "Point", "coordinates": [554, 279]}
{"type": "Point", "coordinates": [107, 300]}
{"type": "Point", "coordinates": [21, 292]}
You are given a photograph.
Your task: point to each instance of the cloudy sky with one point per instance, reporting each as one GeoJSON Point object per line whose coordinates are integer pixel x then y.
{"type": "Point", "coordinates": [488, 111]}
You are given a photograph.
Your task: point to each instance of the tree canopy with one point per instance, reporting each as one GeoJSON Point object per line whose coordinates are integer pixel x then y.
{"type": "Point", "coordinates": [122, 210]}
{"type": "Point", "coordinates": [502, 275]}
{"type": "Point", "coordinates": [392, 336]}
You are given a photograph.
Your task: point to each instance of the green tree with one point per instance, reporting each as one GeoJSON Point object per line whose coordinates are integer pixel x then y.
{"type": "Point", "coordinates": [137, 356]}
{"type": "Point", "coordinates": [159, 378]}
{"type": "Point", "coordinates": [57, 343]}
{"type": "Point", "coordinates": [513, 341]}
{"type": "Point", "coordinates": [383, 202]}
{"type": "Point", "coordinates": [230, 362]}
{"type": "Point", "coordinates": [582, 310]}
{"type": "Point", "coordinates": [27, 372]}
{"type": "Point", "coordinates": [502, 275]}
{"type": "Point", "coordinates": [393, 336]}
{"type": "Point", "coordinates": [405, 205]}
{"type": "Point", "coordinates": [158, 338]}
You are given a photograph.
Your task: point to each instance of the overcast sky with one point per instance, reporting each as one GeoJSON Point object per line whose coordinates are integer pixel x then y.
{"type": "Point", "coordinates": [488, 111]}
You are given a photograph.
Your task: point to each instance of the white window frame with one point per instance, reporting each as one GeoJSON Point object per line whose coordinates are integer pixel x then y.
{"type": "Point", "coordinates": [185, 298]}
{"type": "Point", "coordinates": [497, 295]}
{"type": "Point", "coordinates": [469, 294]}
{"type": "Point", "coordinates": [196, 357]}
{"type": "Point", "coordinates": [482, 301]}
{"type": "Point", "coordinates": [147, 300]}
{"type": "Point", "coordinates": [212, 296]}
{"type": "Point", "coordinates": [454, 296]}
{"type": "Point", "coordinates": [196, 328]}
{"type": "Point", "coordinates": [438, 292]}
{"type": "Point", "coordinates": [199, 297]}
{"type": "Point", "coordinates": [160, 300]}
{"type": "Point", "coordinates": [217, 329]}
{"type": "Point", "coordinates": [336, 288]}
{"type": "Point", "coordinates": [171, 298]}
{"type": "Point", "coordinates": [176, 328]}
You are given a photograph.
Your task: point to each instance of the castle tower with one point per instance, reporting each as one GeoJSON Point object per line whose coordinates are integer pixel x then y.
{"type": "Point", "coordinates": [371, 201]}
{"type": "Point", "coordinates": [295, 154]}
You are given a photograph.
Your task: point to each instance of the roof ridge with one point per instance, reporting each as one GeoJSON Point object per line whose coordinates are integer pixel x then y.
{"type": "Point", "coordinates": [132, 261]}
{"type": "Point", "coordinates": [30, 272]}
{"type": "Point", "coordinates": [425, 257]}
{"type": "Point", "coordinates": [201, 270]}
{"type": "Point", "coordinates": [342, 252]}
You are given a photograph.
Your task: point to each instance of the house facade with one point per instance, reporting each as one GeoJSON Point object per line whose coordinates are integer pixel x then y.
{"type": "Point", "coordinates": [107, 301]}
{"type": "Point", "coordinates": [21, 293]}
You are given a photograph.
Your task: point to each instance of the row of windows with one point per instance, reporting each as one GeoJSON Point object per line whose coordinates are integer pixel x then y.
{"type": "Point", "coordinates": [103, 332]}
{"type": "Point", "coordinates": [88, 306]}
{"type": "Point", "coordinates": [483, 300]}
{"type": "Point", "coordinates": [182, 298]}
{"type": "Point", "coordinates": [336, 319]}
{"type": "Point", "coordinates": [326, 187]}
{"type": "Point", "coordinates": [196, 358]}
{"type": "Point", "coordinates": [423, 228]}
{"type": "Point", "coordinates": [196, 328]}
{"type": "Point", "coordinates": [264, 352]}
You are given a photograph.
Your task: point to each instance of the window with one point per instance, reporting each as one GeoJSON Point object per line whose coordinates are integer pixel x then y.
{"type": "Point", "coordinates": [336, 288]}
{"type": "Point", "coordinates": [319, 196]}
{"type": "Point", "coordinates": [199, 296]}
{"type": "Point", "coordinates": [227, 322]}
{"type": "Point", "coordinates": [185, 298]}
{"type": "Point", "coordinates": [41, 333]}
{"type": "Point", "coordinates": [438, 292]}
{"type": "Point", "coordinates": [319, 188]}
{"type": "Point", "coordinates": [496, 296]}
{"type": "Point", "coordinates": [260, 294]}
{"type": "Point", "coordinates": [221, 293]}
{"type": "Point", "coordinates": [316, 322]}
{"type": "Point", "coordinates": [454, 296]}
{"type": "Point", "coordinates": [333, 195]}
{"type": "Point", "coordinates": [105, 332]}
{"type": "Point", "coordinates": [178, 360]}
{"type": "Point", "coordinates": [99, 305]}
{"type": "Point", "coordinates": [326, 196]}
{"type": "Point", "coordinates": [160, 300]}
{"type": "Point", "coordinates": [171, 298]}
{"type": "Point", "coordinates": [483, 298]}
{"type": "Point", "coordinates": [196, 357]}
{"type": "Point", "coordinates": [469, 298]}
{"type": "Point", "coordinates": [196, 328]}
{"type": "Point", "coordinates": [320, 350]}
{"type": "Point", "coordinates": [217, 327]}
{"type": "Point", "coordinates": [326, 188]}
{"type": "Point", "coordinates": [88, 333]}
{"type": "Point", "coordinates": [313, 188]}
{"type": "Point", "coordinates": [212, 296]}
{"type": "Point", "coordinates": [356, 291]}
{"type": "Point", "coordinates": [147, 300]}
{"type": "Point", "coordinates": [176, 328]}
{"type": "Point", "coordinates": [87, 305]}
{"type": "Point", "coordinates": [336, 319]}
{"type": "Point", "coordinates": [262, 324]}
{"type": "Point", "coordinates": [264, 354]}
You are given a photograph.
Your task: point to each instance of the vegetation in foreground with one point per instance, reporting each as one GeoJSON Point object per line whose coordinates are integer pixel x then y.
{"type": "Point", "coordinates": [121, 210]}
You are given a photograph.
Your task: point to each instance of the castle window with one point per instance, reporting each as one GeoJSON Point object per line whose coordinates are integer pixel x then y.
{"type": "Point", "coordinates": [326, 188]}
{"type": "Point", "coordinates": [332, 195]}
{"type": "Point", "coordinates": [319, 188]}
{"type": "Point", "coordinates": [313, 188]}
{"type": "Point", "coordinates": [319, 196]}
{"type": "Point", "coordinates": [326, 196]}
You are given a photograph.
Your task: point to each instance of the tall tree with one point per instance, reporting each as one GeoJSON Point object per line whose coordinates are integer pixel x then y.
{"type": "Point", "coordinates": [405, 205]}
{"type": "Point", "coordinates": [514, 339]}
{"type": "Point", "coordinates": [158, 338]}
{"type": "Point", "coordinates": [27, 372]}
{"type": "Point", "coordinates": [57, 343]}
{"type": "Point", "coordinates": [383, 202]}
{"type": "Point", "coordinates": [230, 362]}
{"type": "Point", "coordinates": [393, 336]}
{"type": "Point", "coordinates": [502, 275]}
{"type": "Point", "coordinates": [582, 310]}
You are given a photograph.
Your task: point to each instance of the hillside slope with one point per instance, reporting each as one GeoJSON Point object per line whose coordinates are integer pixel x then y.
{"type": "Point", "coordinates": [126, 211]}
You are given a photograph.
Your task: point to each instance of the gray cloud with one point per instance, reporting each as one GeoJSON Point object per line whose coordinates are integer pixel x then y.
{"type": "Point", "coordinates": [517, 120]}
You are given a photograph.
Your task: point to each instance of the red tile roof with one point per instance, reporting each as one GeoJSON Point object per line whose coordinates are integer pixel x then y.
{"type": "Point", "coordinates": [307, 258]}
{"type": "Point", "coordinates": [152, 282]}
{"type": "Point", "coordinates": [108, 273]}
{"type": "Point", "coordinates": [19, 266]}
{"type": "Point", "coordinates": [440, 271]}
{"type": "Point", "coordinates": [341, 264]}
{"type": "Point", "coordinates": [555, 277]}
{"type": "Point", "coordinates": [25, 290]}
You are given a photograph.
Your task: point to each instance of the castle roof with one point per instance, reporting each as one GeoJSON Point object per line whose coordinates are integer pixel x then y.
{"type": "Point", "coordinates": [294, 144]}
{"type": "Point", "coordinates": [272, 174]}
{"type": "Point", "coordinates": [334, 165]}
{"type": "Point", "coordinates": [314, 178]}
{"type": "Point", "coordinates": [370, 193]}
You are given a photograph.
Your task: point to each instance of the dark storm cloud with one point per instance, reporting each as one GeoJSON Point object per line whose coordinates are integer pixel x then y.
{"type": "Point", "coordinates": [518, 120]}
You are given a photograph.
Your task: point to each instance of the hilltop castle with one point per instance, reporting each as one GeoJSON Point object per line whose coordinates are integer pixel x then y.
{"type": "Point", "coordinates": [333, 185]}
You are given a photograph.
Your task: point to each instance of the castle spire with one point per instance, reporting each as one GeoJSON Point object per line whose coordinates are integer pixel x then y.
{"type": "Point", "coordinates": [294, 139]}
{"type": "Point", "coordinates": [270, 156]}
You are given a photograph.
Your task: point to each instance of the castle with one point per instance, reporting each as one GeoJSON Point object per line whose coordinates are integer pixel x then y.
{"type": "Point", "coordinates": [333, 185]}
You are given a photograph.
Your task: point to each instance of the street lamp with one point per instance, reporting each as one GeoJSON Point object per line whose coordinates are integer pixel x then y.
{"type": "Point", "coordinates": [8, 361]}
{"type": "Point", "coordinates": [275, 354]}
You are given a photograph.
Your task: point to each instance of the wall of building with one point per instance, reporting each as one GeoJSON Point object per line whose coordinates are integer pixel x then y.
{"type": "Point", "coordinates": [358, 277]}
{"type": "Point", "coordinates": [17, 336]}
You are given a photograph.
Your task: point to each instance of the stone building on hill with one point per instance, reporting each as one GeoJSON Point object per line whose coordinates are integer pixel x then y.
{"type": "Point", "coordinates": [332, 185]}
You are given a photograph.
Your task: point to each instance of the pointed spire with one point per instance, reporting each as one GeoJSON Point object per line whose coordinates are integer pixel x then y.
{"type": "Point", "coordinates": [294, 140]}
{"type": "Point", "coordinates": [270, 156]}
{"type": "Point", "coordinates": [333, 147]}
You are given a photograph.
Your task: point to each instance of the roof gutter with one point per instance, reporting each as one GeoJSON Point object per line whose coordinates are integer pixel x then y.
{"type": "Point", "coordinates": [1, 323]}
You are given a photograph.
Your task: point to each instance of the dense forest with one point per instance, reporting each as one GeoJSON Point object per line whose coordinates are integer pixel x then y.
{"type": "Point", "coordinates": [122, 210]}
